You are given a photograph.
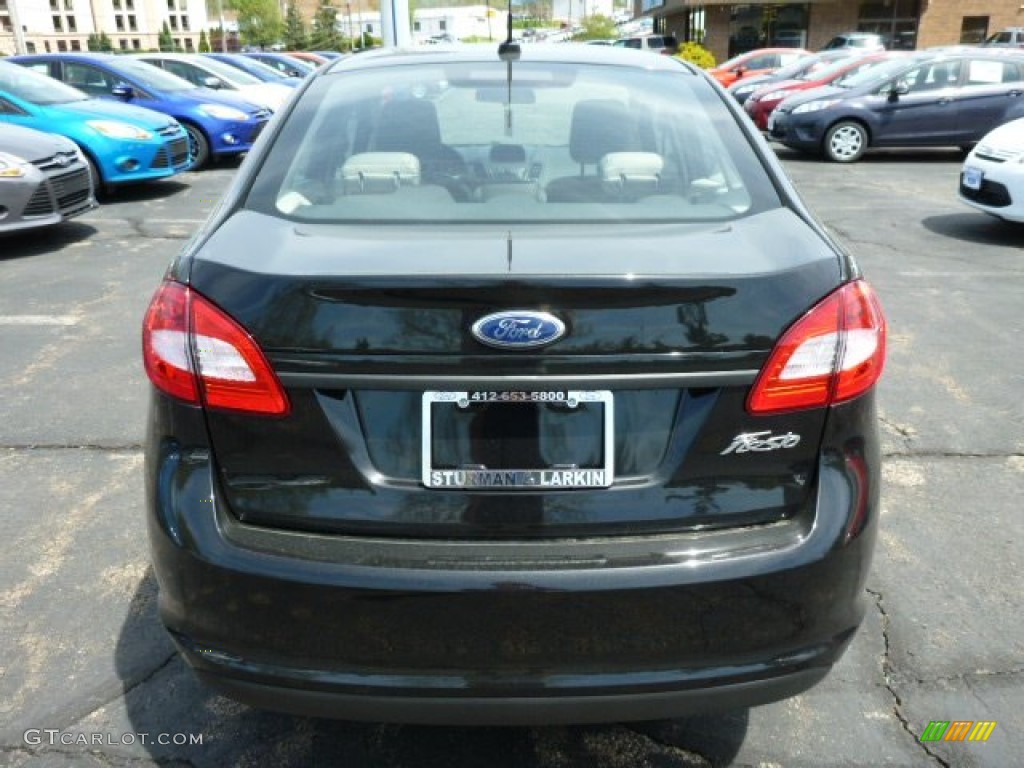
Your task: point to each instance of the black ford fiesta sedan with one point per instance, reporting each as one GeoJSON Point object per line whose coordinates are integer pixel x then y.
{"type": "Point", "coordinates": [510, 389]}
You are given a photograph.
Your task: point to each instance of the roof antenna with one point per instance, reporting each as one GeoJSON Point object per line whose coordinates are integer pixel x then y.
{"type": "Point", "coordinates": [509, 50]}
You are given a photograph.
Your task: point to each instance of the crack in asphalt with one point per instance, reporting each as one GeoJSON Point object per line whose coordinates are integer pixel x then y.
{"type": "Point", "coordinates": [113, 447]}
{"type": "Point", "coordinates": [951, 455]}
{"type": "Point", "coordinates": [113, 760]}
{"type": "Point", "coordinates": [966, 677]}
{"type": "Point", "coordinates": [905, 433]}
{"type": "Point", "coordinates": [123, 693]}
{"type": "Point", "coordinates": [887, 673]}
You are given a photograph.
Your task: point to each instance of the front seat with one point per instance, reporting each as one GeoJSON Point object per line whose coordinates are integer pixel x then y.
{"type": "Point", "coordinates": [598, 127]}
{"type": "Point", "coordinates": [411, 125]}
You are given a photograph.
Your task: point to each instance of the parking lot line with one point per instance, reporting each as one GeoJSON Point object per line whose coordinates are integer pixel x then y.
{"type": "Point", "coordinates": [38, 320]}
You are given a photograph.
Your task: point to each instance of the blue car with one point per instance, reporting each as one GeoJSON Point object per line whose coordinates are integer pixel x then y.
{"type": "Point", "coordinates": [218, 124]}
{"type": "Point", "coordinates": [286, 65]}
{"type": "Point", "coordinates": [255, 68]}
{"type": "Point", "coordinates": [121, 143]}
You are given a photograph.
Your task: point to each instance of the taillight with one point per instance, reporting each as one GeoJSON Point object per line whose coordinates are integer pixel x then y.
{"type": "Point", "coordinates": [233, 373]}
{"type": "Point", "coordinates": [833, 353]}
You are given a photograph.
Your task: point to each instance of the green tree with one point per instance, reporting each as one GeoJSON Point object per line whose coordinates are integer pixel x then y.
{"type": "Point", "coordinates": [93, 43]}
{"type": "Point", "coordinates": [259, 21]}
{"type": "Point", "coordinates": [165, 40]}
{"type": "Point", "coordinates": [325, 36]}
{"type": "Point", "coordinates": [204, 42]}
{"type": "Point", "coordinates": [295, 37]}
{"type": "Point", "coordinates": [597, 27]}
{"type": "Point", "coordinates": [105, 43]}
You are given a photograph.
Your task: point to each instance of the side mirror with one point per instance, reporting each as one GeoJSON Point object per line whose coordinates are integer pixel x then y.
{"type": "Point", "coordinates": [897, 89]}
{"type": "Point", "coordinates": [122, 91]}
{"type": "Point", "coordinates": [213, 82]}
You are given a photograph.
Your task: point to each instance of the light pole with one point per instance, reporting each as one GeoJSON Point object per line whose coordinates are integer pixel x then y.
{"type": "Point", "coordinates": [19, 31]}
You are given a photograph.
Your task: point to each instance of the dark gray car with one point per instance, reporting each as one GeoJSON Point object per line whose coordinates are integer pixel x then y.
{"type": "Point", "coordinates": [932, 99]}
{"type": "Point", "coordinates": [44, 179]}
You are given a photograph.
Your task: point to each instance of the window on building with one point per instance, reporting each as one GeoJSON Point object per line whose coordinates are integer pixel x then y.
{"type": "Point", "coordinates": [973, 30]}
{"type": "Point", "coordinates": [184, 23]}
{"type": "Point", "coordinates": [415, 26]}
{"type": "Point", "coordinates": [170, 5]}
{"type": "Point", "coordinates": [46, 46]}
{"type": "Point", "coordinates": [123, 43]}
{"type": "Point", "coordinates": [72, 24]}
{"type": "Point", "coordinates": [174, 22]}
{"type": "Point", "coordinates": [119, 23]}
{"type": "Point", "coordinates": [190, 45]}
{"type": "Point", "coordinates": [117, 5]}
{"type": "Point", "coordinates": [31, 47]}
{"type": "Point", "coordinates": [133, 25]}
{"type": "Point", "coordinates": [76, 45]}
{"type": "Point", "coordinates": [767, 26]}
{"type": "Point", "coordinates": [58, 26]}
{"type": "Point", "coordinates": [895, 20]}
{"type": "Point", "coordinates": [136, 44]}
{"type": "Point", "coordinates": [5, 24]}
{"type": "Point", "coordinates": [62, 46]}
{"type": "Point", "coordinates": [69, 5]}
{"type": "Point", "coordinates": [129, 4]}
{"type": "Point", "coordinates": [54, 6]}
{"type": "Point", "coordinates": [442, 25]}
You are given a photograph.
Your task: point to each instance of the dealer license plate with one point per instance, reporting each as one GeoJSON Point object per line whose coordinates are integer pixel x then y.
{"type": "Point", "coordinates": [518, 440]}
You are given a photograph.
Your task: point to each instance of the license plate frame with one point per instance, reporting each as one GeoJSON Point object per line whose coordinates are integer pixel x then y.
{"type": "Point", "coordinates": [557, 477]}
{"type": "Point", "coordinates": [973, 178]}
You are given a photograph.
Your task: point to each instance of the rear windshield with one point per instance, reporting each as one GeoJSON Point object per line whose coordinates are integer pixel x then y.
{"type": "Point", "coordinates": [561, 142]}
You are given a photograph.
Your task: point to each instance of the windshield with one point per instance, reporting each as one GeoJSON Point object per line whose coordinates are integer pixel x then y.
{"type": "Point", "coordinates": [798, 67]}
{"type": "Point", "coordinates": [150, 76]}
{"type": "Point", "coordinates": [832, 70]}
{"type": "Point", "coordinates": [884, 70]}
{"type": "Point", "coordinates": [233, 75]}
{"type": "Point", "coordinates": [257, 68]}
{"type": "Point", "coordinates": [564, 143]}
{"type": "Point", "coordinates": [35, 88]}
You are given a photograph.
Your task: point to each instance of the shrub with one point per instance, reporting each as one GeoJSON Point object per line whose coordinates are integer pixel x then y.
{"type": "Point", "coordinates": [696, 54]}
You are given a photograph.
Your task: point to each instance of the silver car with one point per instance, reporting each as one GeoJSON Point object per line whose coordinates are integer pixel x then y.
{"type": "Point", "coordinates": [44, 179]}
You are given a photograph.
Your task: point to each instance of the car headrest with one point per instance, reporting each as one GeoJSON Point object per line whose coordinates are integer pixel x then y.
{"type": "Point", "coordinates": [408, 125]}
{"type": "Point", "coordinates": [379, 172]}
{"type": "Point", "coordinates": [631, 174]}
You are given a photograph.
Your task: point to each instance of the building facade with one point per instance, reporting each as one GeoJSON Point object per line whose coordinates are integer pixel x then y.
{"type": "Point", "coordinates": [728, 28]}
{"type": "Point", "coordinates": [65, 25]}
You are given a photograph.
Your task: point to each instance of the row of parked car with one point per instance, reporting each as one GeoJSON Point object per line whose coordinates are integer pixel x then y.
{"type": "Point", "coordinates": [72, 123]}
{"type": "Point", "coordinates": [842, 103]}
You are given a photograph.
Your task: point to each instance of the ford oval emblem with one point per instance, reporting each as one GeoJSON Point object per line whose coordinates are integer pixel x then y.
{"type": "Point", "coordinates": [518, 329]}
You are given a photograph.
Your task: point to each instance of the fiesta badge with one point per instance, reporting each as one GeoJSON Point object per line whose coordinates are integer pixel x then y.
{"type": "Point", "coordinates": [518, 329]}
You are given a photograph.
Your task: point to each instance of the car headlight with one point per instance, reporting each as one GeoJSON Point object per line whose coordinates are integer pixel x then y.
{"type": "Point", "coordinates": [118, 130]}
{"type": "Point", "coordinates": [815, 106]}
{"type": "Point", "coordinates": [223, 113]}
{"type": "Point", "coordinates": [775, 95]}
{"type": "Point", "coordinates": [12, 166]}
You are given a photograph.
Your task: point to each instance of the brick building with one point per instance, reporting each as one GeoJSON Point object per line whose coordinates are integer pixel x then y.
{"type": "Point", "coordinates": [729, 28]}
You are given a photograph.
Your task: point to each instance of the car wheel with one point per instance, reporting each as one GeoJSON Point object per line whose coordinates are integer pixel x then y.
{"type": "Point", "coordinates": [198, 147]}
{"type": "Point", "coordinates": [846, 142]}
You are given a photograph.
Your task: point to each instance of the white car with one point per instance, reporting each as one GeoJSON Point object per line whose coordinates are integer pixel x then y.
{"type": "Point", "coordinates": [210, 73]}
{"type": "Point", "coordinates": [992, 179]}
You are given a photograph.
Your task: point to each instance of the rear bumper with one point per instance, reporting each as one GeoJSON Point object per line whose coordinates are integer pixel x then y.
{"type": "Point", "coordinates": [512, 632]}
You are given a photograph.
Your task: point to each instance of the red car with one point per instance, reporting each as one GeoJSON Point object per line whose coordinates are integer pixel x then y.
{"type": "Point", "coordinates": [759, 62]}
{"type": "Point", "coordinates": [761, 102]}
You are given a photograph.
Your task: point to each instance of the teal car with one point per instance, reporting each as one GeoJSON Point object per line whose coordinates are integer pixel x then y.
{"type": "Point", "coordinates": [122, 143]}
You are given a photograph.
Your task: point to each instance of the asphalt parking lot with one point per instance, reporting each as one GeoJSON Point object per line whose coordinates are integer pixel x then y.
{"type": "Point", "coordinates": [88, 678]}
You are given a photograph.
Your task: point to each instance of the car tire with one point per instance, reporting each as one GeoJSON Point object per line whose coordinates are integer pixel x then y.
{"type": "Point", "coordinates": [846, 142]}
{"type": "Point", "coordinates": [100, 188]}
{"type": "Point", "coordinates": [198, 147]}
